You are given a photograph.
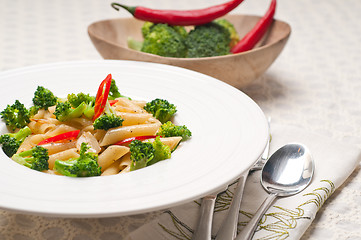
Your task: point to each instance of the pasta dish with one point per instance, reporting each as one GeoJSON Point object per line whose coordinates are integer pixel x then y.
{"type": "Point", "coordinates": [83, 135]}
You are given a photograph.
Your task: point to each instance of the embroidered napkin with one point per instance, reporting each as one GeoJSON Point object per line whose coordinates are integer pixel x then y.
{"type": "Point", "coordinates": [288, 217]}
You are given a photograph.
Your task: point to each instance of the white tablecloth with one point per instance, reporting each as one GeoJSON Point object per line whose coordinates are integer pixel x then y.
{"type": "Point", "coordinates": [315, 83]}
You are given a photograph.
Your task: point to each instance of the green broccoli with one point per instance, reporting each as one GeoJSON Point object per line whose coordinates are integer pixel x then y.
{"type": "Point", "coordinates": [84, 166]}
{"type": "Point", "coordinates": [164, 40]}
{"type": "Point", "coordinates": [161, 109]}
{"type": "Point", "coordinates": [114, 91]}
{"type": "Point", "coordinates": [76, 100]}
{"type": "Point", "coordinates": [230, 27]}
{"type": "Point", "coordinates": [16, 115]}
{"type": "Point", "coordinates": [33, 110]}
{"type": "Point", "coordinates": [169, 129]}
{"type": "Point", "coordinates": [44, 98]}
{"type": "Point", "coordinates": [134, 44]}
{"type": "Point", "coordinates": [161, 151]}
{"type": "Point", "coordinates": [11, 141]}
{"type": "Point", "coordinates": [140, 154]}
{"type": "Point", "coordinates": [35, 158]}
{"type": "Point", "coordinates": [64, 111]}
{"type": "Point", "coordinates": [108, 119]}
{"type": "Point", "coordinates": [208, 40]}
{"type": "Point", "coordinates": [147, 28]}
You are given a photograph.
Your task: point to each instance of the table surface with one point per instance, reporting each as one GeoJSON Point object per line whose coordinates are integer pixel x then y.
{"type": "Point", "coordinates": [315, 83]}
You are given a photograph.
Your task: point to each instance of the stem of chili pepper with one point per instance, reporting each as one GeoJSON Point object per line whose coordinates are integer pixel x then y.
{"type": "Point", "coordinates": [61, 137]}
{"type": "Point", "coordinates": [257, 32]}
{"type": "Point", "coordinates": [140, 138]}
{"type": "Point", "coordinates": [102, 96]}
{"type": "Point", "coordinates": [180, 17]}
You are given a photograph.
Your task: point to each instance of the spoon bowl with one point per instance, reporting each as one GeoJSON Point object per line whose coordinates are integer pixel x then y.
{"type": "Point", "coordinates": [287, 172]}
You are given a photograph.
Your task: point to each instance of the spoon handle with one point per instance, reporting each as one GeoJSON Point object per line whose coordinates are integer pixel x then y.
{"type": "Point", "coordinates": [248, 231]}
{"type": "Point", "coordinates": [203, 230]}
{"type": "Point", "coordinates": [228, 229]}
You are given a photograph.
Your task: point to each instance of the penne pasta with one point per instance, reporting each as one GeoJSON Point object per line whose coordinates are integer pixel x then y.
{"type": "Point", "coordinates": [64, 155]}
{"type": "Point", "coordinates": [125, 162]}
{"type": "Point", "coordinates": [62, 128]}
{"type": "Point", "coordinates": [89, 138]}
{"type": "Point", "coordinates": [134, 118]}
{"type": "Point", "coordinates": [115, 135]}
{"type": "Point", "coordinates": [59, 147]}
{"type": "Point", "coordinates": [112, 169]}
{"type": "Point", "coordinates": [110, 155]}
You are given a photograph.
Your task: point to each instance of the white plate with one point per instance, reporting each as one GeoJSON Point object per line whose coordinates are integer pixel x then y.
{"type": "Point", "coordinates": [229, 132]}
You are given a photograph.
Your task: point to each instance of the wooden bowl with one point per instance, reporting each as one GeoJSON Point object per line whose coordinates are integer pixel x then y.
{"type": "Point", "coordinates": [110, 39]}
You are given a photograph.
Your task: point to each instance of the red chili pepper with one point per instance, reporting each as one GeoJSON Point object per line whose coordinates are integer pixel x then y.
{"type": "Point", "coordinates": [112, 102]}
{"type": "Point", "coordinates": [61, 137]}
{"type": "Point", "coordinates": [102, 96]}
{"type": "Point", "coordinates": [180, 17]}
{"type": "Point", "coordinates": [140, 138]}
{"type": "Point", "coordinates": [257, 32]}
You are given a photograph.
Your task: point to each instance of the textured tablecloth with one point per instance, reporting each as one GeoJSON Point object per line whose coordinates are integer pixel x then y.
{"type": "Point", "coordinates": [315, 83]}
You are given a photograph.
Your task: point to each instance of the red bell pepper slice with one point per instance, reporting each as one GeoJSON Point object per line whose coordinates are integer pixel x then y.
{"type": "Point", "coordinates": [102, 96]}
{"type": "Point", "coordinates": [61, 137]}
{"type": "Point", "coordinates": [129, 140]}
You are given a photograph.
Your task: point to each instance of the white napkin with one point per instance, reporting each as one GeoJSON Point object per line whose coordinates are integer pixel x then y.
{"type": "Point", "coordinates": [289, 217]}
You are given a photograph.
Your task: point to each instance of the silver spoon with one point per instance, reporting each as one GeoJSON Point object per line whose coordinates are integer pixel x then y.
{"type": "Point", "coordinates": [287, 172]}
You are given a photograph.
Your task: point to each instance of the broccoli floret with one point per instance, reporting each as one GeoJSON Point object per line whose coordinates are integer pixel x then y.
{"type": "Point", "coordinates": [164, 40]}
{"type": "Point", "coordinates": [44, 98]}
{"type": "Point", "coordinates": [134, 44]}
{"type": "Point", "coordinates": [207, 41]}
{"type": "Point", "coordinates": [16, 115]}
{"type": "Point", "coordinates": [35, 158]}
{"type": "Point", "coordinates": [146, 28]}
{"type": "Point", "coordinates": [169, 129]}
{"type": "Point", "coordinates": [114, 91]}
{"type": "Point", "coordinates": [161, 109]}
{"type": "Point", "coordinates": [108, 119]}
{"type": "Point", "coordinates": [140, 154]}
{"type": "Point", "coordinates": [11, 141]}
{"type": "Point", "coordinates": [76, 100]}
{"type": "Point", "coordinates": [33, 110]}
{"type": "Point", "coordinates": [161, 151]}
{"type": "Point", "coordinates": [230, 27]}
{"type": "Point", "coordinates": [84, 166]}
{"type": "Point", "coordinates": [65, 112]}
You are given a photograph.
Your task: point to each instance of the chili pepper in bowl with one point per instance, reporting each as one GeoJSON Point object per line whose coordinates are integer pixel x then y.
{"type": "Point", "coordinates": [257, 32]}
{"type": "Point", "coordinates": [180, 17]}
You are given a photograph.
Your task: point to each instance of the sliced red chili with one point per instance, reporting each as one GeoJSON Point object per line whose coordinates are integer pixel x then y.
{"type": "Point", "coordinates": [180, 17]}
{"type": "Point", "coordinates": [61, 137]}
{"type": "Point", "coordinates": [140, 138]}
{"type": "Point", "coordinates": [102, 96]}
{"type": "Point", "coordinates": [112, 102]}
{"type": "Point", "coordinates": [257, 32]}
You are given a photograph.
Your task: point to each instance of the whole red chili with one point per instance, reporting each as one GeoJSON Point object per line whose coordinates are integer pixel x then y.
{"type": "Point", "coordinates": [180, 17]}
{"type": "Point", "coordinates": [257, 32]}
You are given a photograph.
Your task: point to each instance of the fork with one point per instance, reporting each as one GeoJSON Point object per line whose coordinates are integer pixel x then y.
{"type": "Point", "coordinates": [204, 226]}
{"type": "Point", "coordinates": [228, 229]}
